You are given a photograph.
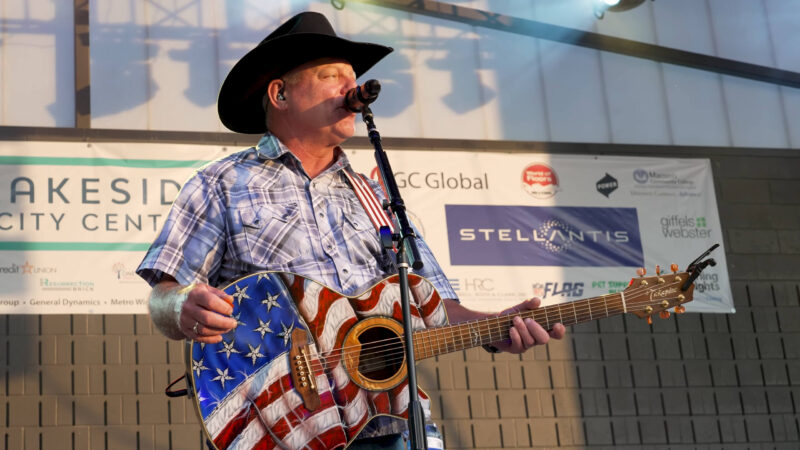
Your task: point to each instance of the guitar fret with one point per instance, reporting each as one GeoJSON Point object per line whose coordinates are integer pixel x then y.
{"type": "Point", "coordinates": [590, 309]}
{"type": "Point", "coordinates": [574, 313]}
{"type": "Point", "coordinates": [605, 303]}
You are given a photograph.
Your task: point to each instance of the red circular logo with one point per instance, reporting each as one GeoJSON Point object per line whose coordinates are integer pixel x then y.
{"type": "Point", "coordinates": [540, 180]}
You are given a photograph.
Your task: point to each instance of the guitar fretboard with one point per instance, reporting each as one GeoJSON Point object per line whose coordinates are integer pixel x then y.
{"type": "Point", "coordinates": [452, 338]}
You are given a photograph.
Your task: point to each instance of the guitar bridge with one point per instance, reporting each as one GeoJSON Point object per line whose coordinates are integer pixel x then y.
{"type": "Point", "coordinates": [302, 373]}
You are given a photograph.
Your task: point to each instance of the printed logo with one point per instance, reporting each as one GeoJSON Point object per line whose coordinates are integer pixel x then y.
{"type": "Point", "coordinates": [123, 273]}
{"type": "Point", "coordinates": [472, 284]}
{"type": "Point", "coordinates": [607, 185]}
{"type": "Point", "coordinates": [707, 281]}
{"type": "Point", "coordinates": [26, 269]}
{"type": "Point", "coordinates": [540, 181]}
{"type": "Point", "coordinates": [612, 285]}
{"type": "Point", "coordinates": [436, 180]}
{"type": "Point", "coordinates": [652, 183]}
{"type": "Point", "coordinates": [543, 236]}
{"type": "Point", "coordinates": [555, 289]}
{"type": "Point", "coordinates": [640, 176]}
{"type": "Point", "coordinates": [51, 285]}
{"type": "Point", "coordinates": [685, 227]}
{"type": "Point", "coordinates": [661, 179]}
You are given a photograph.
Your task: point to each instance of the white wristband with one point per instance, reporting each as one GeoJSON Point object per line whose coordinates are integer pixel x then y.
{"type": "Point", "coordinates": [165, 310]}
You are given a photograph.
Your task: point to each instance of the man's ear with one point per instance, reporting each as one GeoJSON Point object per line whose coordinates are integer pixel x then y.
{"type": "Point", "coordinates": [275, 94]}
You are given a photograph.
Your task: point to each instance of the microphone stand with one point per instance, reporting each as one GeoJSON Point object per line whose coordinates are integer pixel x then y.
{"type": "Point", "coordinates": [407, 252]}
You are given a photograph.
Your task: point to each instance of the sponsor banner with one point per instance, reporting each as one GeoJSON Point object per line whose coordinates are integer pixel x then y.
{"type": "Point", "coordinates": [76, 219]}
{"type": "Point", "coordinates": [509, 226]}
{"type": "Point", "coordinates": [543, 236]}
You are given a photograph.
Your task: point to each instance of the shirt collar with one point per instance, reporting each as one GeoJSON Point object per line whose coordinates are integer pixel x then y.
{"type": "Point", "coordinates": [270, 147]}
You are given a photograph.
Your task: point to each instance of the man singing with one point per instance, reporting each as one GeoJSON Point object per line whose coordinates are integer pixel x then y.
{"type": "Point", "coordinates": [288, 204]}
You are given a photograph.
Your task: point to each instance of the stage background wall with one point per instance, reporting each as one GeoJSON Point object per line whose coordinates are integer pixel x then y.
{"type": "Point", "coordinates": [715, 380]}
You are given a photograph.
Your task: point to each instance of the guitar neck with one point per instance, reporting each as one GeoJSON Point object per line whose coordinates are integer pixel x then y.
{"type": "Point", "coordinates": [452, 338]}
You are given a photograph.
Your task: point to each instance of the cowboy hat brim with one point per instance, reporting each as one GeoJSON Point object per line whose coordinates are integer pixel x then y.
{"type": "Point", "coordinates": [240, 98]}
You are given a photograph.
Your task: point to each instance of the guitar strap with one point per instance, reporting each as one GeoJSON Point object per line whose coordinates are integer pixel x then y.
{"type": "Point", "coordinates": [369, 201]}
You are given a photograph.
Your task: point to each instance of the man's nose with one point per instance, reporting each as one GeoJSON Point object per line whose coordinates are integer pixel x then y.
{"type": "Point", "coordinates": [349, 83]}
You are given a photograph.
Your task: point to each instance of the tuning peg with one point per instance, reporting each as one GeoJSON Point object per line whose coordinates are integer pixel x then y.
{"type": "Point", "coordinates": [664, 314]}
{"type": "Point", "coordinates": [680, 309]}
{"type": "Point", "coordinates": [658, 269]}
{"type": "Point", "coordinates": [673, 267]}
{"type": "Point", "coordinates": [641, 271]}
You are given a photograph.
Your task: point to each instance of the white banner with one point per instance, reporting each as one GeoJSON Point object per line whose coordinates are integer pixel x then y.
{"type": "Point", "coordinates": [76, 219]}
{"type": "Point", "coordinates": [560, 227]}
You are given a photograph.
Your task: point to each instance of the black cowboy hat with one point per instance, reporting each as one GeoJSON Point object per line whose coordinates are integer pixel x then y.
{"type": "Point", "coordinates": [303, 38]}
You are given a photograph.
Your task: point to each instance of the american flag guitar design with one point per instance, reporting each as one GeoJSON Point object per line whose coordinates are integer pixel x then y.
{"type": "Point", "coordinates": [308, 367]}
{"type": "Point", "coordinates": [244, 390]}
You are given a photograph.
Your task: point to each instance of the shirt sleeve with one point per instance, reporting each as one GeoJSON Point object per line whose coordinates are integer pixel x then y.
{"type": "Point", "coordinates": [430, 269]}
{"type": "Point", "coordinates": [190, 245]}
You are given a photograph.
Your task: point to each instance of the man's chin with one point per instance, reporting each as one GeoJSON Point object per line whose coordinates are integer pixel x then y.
{"type": "Point", "coordinates": [344, 132]}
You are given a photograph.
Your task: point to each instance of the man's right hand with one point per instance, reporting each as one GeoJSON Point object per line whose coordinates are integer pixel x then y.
{"type": "Point", "coordinates": [205, 315]}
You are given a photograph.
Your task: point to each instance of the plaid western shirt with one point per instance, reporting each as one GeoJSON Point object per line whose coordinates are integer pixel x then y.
{"type": "Point", "coordinates": [258, 210]}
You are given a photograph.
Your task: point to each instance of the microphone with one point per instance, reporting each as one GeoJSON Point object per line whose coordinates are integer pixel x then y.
{"type": "Point", "coordinates": [360, 96]}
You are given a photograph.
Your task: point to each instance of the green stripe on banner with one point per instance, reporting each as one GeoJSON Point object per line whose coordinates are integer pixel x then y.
{"type": "Point", "coordinates": [59, 161]}
{"type": "Point", "coordinates": [76, 246]}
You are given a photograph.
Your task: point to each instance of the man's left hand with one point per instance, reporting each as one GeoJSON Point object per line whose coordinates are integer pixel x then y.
{"type": "Point", "coordinates": [525, 333]}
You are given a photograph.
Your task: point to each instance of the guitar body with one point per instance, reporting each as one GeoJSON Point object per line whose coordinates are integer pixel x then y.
{"type": "Point", "coordinates": [307, 366]}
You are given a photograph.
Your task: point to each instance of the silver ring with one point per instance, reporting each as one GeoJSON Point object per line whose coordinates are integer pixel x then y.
{"type": "Point", "coordinates": [194, 328]}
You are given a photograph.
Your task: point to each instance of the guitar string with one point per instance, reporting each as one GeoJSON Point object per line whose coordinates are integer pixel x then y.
{"type": "Point", "coordinates": [587, 306]}
{"type": "Point", "coordinates": [492, 324]}
{"type": "Point", "coordinates": [374, 360]}
{"type": "Point", "coordinates": [500, 324]}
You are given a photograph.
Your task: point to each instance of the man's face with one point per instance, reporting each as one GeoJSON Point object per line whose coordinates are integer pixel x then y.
{"type": "Point", "coordinates": [315, 94]}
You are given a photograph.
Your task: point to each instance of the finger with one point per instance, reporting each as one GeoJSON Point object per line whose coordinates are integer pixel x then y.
{"type": "Point", "coordinates": [208, 339]}
{"type": "Point", "coordinates": [516, 341]}
{"type": "Point", "coordinates": [525, 335]}
{"type": "Point", "coordinates": [204, 297]}
{"type": "Point", "coordinates": [558, 331]}
{"type": "Point", "coordinates": [532, 303]}
{"type": "Point", "coordinates": [228, 298]}
{"type": "Point", "coordinates": [538, 334]}
{"type": "Point", "coordinates": [209, 320]}
{"type": "Point", "coordinates": [193, 328]}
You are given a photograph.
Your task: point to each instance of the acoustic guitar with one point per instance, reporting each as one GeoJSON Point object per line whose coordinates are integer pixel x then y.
{"type": "Point", "coordinates": [308, 367]}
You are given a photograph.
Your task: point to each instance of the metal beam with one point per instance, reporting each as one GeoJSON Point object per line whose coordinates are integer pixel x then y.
{"type": "Point", "coordinates": [550, 32]}
{"type": "Point", "coordinates": [240, 141]}
{"type": "Point", "coordinates": [83, 101]}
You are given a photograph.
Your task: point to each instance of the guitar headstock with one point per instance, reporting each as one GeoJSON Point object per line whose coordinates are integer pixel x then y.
{"type": "Point", "coordinates": [646, 296]}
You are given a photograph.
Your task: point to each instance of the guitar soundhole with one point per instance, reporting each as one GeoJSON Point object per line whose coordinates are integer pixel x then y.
{"type": "Point", "coordinates": [382, 353]}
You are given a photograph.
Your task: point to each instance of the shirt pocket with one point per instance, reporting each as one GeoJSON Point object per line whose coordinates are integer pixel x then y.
{"type": "Point", "coordinates": [361, 238]}
{"type": "Point", "coordinates": [270, 236]}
